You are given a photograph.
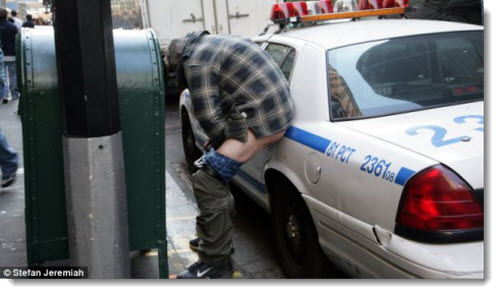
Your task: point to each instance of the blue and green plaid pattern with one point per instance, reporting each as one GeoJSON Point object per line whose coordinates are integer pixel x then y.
{"type": "Point", "coordinates": [235, 85]}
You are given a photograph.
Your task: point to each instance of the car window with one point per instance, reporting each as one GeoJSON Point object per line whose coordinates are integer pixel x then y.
{"type": "Point", "coordinates": [278, 52]}
{"type": "Point", "coordinates": [287, 65]}
{"type": "Point", "coordinates": [405, 74]}
{"type": "Point", "coordinates": [284, 56]}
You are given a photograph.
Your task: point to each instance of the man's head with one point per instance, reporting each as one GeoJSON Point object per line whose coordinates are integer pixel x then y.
{"type": "Point", "coordinates": [3, 14]}
{"type": "Point", "coordinates": [13, 13]}
{"type": "Point", "coordinates": [174, 53]}
{"type": "Point", "coordinates": [29, 17]}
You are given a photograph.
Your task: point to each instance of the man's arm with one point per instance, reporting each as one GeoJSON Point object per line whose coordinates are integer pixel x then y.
{"type": "Point", "coordinates": [205, 95]}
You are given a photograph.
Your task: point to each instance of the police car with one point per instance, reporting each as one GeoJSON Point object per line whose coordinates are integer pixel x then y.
{"type": "Point", "coordinates": [381, 173]}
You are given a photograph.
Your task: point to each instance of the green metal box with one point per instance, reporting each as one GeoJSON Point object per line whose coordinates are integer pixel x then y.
{"type": "Point", "coordinates": [141, 100]}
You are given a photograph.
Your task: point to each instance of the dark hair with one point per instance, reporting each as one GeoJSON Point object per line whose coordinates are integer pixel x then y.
{"type": "Point", "coordinates": [3, 14]}
{"type": "Point", "coordinates": [29, 17]}
{"type": "Point", "coordinates": [10, 19]}
{"type": "Point", "coordinates": [13, 13]}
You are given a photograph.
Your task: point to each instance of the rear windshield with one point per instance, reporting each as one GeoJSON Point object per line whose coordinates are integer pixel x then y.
{"type": "Point", "coordinates": [405, 74]}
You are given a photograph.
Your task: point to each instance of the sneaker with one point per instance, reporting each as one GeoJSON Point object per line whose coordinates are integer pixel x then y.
{"type": "Point", "coordinates": [5, 100]}
{"type": "Point", "coordinates": [201, 270]}
{"type": "Point", "coordinates": [194, 244]}
{"type": "Point", "coordinates": [8, 181]}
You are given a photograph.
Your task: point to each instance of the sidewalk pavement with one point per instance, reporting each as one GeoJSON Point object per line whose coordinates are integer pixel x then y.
{"type": "Point", "coordinates": [12, 229]}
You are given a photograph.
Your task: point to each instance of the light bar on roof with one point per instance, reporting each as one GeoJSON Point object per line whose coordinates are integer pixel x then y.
{"type": "Point", "coordinates": [300, 7]}
{"type": "Point", "coordinates": [288, 10]}
{"type": "Point", "coordinates": [353, 14]}
{"type": "Point", "coordinates": [345, 5]}
{"type": "Point", "coordinates": [326, 6]}
{"type": "Point", "coordinates": [313, 11]}
{"type": "Point", "coordinates": [319, 7]}
{"type": "Point", "coordinates": [381, 4]}
{"type": "Point", "coordinates": [313, 7]}
{"type": "Point", "coordinates": [370, 4]}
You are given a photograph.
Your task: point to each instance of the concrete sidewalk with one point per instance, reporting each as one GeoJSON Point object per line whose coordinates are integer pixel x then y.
{"type": "Point", "coordinates": [12, 229]}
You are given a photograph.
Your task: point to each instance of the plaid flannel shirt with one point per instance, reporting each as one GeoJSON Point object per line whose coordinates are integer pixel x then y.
{"type": "Point", "coordinates": [235, 85]}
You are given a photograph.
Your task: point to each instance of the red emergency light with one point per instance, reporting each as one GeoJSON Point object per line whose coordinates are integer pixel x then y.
{"type": "Point", "coordinates": [313, 11]}
{"type": "Point", "coordinates": [381, 4]}
{"type": "Point", "coordinates": [395, 3]}
{"type": "Point", "coordinates": [300, 7]}
{"type": "Point", "coordinates": [319, 7]}
{"type": "Point", "coordinates": [370, 4]}
{"type": "Point", "coordinates": [289, 9]}
{"type": "Point", "coordinates": [326, 6]}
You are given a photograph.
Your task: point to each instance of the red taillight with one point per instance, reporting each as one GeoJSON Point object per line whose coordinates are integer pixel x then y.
{"type": "Point", "coordinates": [465, 90]}
{"type": "Point", "coordinates": [436, 199]}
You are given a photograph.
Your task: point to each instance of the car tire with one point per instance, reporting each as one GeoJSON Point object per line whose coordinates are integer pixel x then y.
{"type": "Point", "coordinates": [295, 235]}
{"type": "Point", "coordinates": [191, 152]}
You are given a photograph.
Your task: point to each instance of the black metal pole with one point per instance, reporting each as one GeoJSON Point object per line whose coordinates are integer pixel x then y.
{"type": "Point", "coordinates": [86, 67]}
{"type": "Point", "coordinates": [93, 155]}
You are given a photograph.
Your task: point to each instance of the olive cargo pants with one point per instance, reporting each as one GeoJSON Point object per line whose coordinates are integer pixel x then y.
{"type": "Point", "coordinates": [214, 224]}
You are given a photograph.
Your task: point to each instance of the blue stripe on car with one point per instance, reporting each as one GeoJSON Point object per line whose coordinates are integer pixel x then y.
{"type": "Point", "coordinates": [308, 139]}
{"type": "Point", "coordinates": [403, 175]}
{"type": "Point", "coordinates": [252, 181]}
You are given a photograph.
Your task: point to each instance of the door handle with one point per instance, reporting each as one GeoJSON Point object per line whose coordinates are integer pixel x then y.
{"type": "Point", "coordinates": [193, 19]}
{"type": "Point", "coordinates": [238, 15]}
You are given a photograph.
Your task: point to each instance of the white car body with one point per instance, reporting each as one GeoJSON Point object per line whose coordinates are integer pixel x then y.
{"type": "Point", "coordinates": [354, 212]}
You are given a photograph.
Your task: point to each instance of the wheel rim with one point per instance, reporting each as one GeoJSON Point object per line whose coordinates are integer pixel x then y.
{"type": "Point", "coordinates": [293, 236]}
{"type": "Point", "coordinates": [293, 231]}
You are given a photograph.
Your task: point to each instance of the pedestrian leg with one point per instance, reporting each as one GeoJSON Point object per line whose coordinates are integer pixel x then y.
{"type": "Point", "coordinates": [8, 161]}
{"type": "Point", "coordinates": [4, 88]}
{"type": "Point", "coordinates": [11, 66]}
